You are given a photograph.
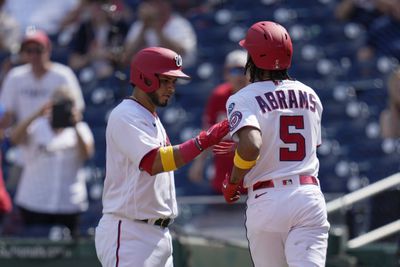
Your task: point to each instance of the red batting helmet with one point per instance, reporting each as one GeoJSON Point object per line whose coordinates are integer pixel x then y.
{"type": "Point", "coordinates": [269, 45]}
{"type": "Point", "coordinates": [152, 61]}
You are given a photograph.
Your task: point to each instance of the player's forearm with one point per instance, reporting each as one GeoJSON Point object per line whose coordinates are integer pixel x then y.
{"type": "Point", "coordinates": [170, 158]}
{"type": "Point", "coordinates": [237, 175]}
{"type": "Point", "coordinates": [246, 154]}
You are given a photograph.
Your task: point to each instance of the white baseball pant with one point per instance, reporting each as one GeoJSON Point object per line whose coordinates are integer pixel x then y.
{"type": "Point", "coordinates": [125, 243]}
{"type": "Point", "coordinates": [287, 226]}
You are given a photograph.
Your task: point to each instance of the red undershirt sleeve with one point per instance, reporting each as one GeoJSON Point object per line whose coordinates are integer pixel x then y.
{"type": "Point", "coordinates": [147, 161]}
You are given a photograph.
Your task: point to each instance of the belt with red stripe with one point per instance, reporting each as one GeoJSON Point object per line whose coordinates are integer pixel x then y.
{"type": "Point", "coordinates": [303, 179]}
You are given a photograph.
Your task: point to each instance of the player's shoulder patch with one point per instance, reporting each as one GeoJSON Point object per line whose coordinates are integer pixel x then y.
{"type": "Point", "coordinates": [235, 119]}
{"type": "Point", "coordinates": [231, 107]}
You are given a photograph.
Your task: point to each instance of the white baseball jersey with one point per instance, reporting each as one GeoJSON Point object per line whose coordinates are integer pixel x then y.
{"type": "Point", "coordinates": [288, 114]}
{"type": "Point", "coordinates": [129, 192]}
{"type": "Point", "coordinates": [286, 223]}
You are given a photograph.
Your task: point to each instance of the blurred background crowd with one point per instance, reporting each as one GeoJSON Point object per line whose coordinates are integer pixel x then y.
{"type": "Point", "coordinates": [79, 52]}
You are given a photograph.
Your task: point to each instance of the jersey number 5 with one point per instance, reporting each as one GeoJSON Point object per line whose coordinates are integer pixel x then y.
{"type": "Point", "coordinates": [285, 154]}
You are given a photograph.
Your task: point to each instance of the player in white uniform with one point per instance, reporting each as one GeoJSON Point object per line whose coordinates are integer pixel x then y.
{"type": "Point", "coordinates": [139, 192]}
{"type": "Point", "coordinates": [277, 122]}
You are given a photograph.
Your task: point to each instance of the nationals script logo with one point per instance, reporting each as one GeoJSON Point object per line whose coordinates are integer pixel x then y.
{"type": "Point", "coordinates": [235, 119]}
{"type": "Point", "coordinates": [178, 60]}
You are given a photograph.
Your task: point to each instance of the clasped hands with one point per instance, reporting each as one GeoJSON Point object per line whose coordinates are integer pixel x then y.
{"type": "Point", "coordinates": [212, 137]}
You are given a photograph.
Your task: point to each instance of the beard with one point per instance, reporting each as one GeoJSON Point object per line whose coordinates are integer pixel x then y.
{"type": "Point", "coordinates": [156, 101]}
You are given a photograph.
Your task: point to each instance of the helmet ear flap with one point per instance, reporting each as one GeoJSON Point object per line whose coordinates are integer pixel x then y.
{"type": "Point", "coordinates": [152, 83]}
{"type": "Point", "coordinates": [148, 83]}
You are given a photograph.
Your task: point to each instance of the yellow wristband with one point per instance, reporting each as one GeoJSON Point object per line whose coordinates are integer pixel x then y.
{"type": "Point", "coordinates": [241, 163]}
{"type": "Point", "coordinates": [167, 158]}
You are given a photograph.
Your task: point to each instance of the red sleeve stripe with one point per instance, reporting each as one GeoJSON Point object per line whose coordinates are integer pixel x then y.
{"type": "Point", "coordinates": [148, 160]}
{"type": "Point", "coordinates": [118, 244]}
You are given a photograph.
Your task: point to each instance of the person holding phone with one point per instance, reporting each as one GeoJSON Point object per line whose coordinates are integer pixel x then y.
{"type": "Point", "coordinates": [27, 87]}
{"type": "Point", "coordinates": [58, 143]}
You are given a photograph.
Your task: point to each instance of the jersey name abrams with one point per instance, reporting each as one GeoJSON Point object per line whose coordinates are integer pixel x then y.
{"type": "Point", "coordinates": [291, 99]}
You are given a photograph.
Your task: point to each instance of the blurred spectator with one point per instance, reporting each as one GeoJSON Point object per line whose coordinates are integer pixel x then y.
{"type": "Point", "coordinates": [384, 31]}
{"type": "Point", "coordinates": [27, 87]}
{"type": "Point", "coordinates": [46, 15]}
{"type": "Point", "coordinates": [50, 190]}
{"type": "Point", "coordinates": [390, 117]}
{"type": "Point", "coordinates": [79, 13]}
{"type": "Point", "coordinates": [98, 40]}
{"type": "Point", "coordinates": [215, 111]}
{"type": "Point", "coordinates": [5, 200]}
{"type": "Point", "coordinates": [9, 31]}
{"type": "Point", "coordinates": [360, 11]}
{"type": "Point", "coordinates": [159, 25]}
{"type": "Point", "coordinates": [9, 39]}
{"type": "Point", "coordinates": [381, 20]}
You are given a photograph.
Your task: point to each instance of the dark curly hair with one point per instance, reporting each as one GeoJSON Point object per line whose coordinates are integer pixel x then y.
{"type": "Point", "coordinates": [257, 74]}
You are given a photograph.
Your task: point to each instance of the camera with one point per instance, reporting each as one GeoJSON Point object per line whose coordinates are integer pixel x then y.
{"type": "Point", "coordinates": [62, 114]}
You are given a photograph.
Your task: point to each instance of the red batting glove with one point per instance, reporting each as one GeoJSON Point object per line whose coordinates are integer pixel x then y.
{"type": "Point", "coordinates": [231, 191]}
{"type": "Point", "coordinates": [213, 135]}
{"type": "Point", "coordinates": [225, 147]}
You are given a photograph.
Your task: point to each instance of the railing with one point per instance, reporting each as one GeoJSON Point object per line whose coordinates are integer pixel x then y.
{"type": "Point", "coordinates": [374, 235]}
{"type": "Point", "coordinates": [361, 194]}
{"type": "Point", "coordinates": [332, 206]}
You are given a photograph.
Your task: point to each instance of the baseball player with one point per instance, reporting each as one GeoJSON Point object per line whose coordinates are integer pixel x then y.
{"type": "Point", "coordinates": [139, 192]}
{"type": "Point", "coordinates": [277, 122]}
